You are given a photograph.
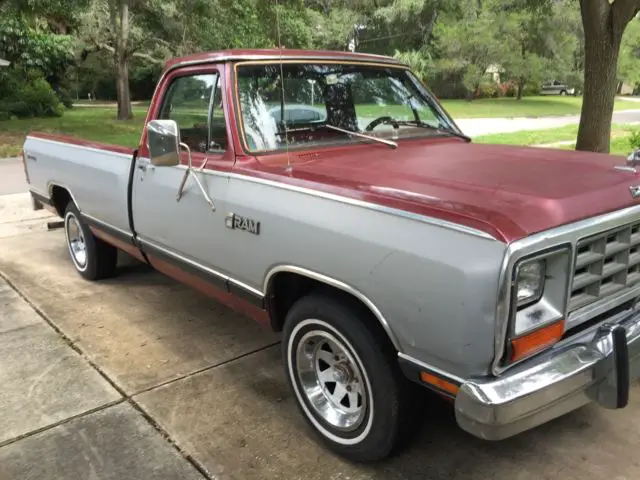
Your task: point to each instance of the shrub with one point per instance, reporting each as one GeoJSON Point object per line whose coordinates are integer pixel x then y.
{"type": "Point", "coordinates": [40, 100]}
{"type": "Point", "coordinates": [531, 89]}
{"type": "Point", "coordinates": [64, 95]}
{"type": "Point", "coordinates": [634, 140]}
{"type": "Point", "coordinates": [488, 90]}
{"type": "Point", "coordinates": [29, 97]}
{"type": "Point", "coordinates": [508, 89]}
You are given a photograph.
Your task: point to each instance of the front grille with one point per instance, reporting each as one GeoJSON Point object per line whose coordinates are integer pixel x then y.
{"type": "Point", "coordinates": [605, 264]}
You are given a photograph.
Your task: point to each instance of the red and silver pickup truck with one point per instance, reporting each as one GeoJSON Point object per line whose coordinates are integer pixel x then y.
{"type": "Point", "coordinates": [329, 196]}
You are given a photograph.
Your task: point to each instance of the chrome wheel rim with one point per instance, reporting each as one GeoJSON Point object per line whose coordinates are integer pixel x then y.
{"type": "Point", "coordinates": [76, 241]}
{"type": "Point", "coordinates": [331, 380]}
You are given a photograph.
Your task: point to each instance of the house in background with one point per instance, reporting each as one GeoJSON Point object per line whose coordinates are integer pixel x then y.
{"type": "Point", "coordinates": [625, 88]}
{"type": "Point", "coordinates": [4, 63]}
{"type": "Point", "coordinates": [493, 72]}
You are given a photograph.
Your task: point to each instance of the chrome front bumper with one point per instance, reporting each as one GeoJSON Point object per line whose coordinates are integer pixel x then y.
{"type": "Point", "coordinates": [595, 365]}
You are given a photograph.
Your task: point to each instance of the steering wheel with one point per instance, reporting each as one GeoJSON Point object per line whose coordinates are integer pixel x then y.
{"type": "Point", "coordinates": [381, 121]}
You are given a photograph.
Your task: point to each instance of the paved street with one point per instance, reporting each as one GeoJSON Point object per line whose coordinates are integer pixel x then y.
{"type": "Point", "coordinates": [138, 377]}
{"type": "Point", "coordinates": [485, 126]}
{"type": "Point", "coordinates": [12, 176]}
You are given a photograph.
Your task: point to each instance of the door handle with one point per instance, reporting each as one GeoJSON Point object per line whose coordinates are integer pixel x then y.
{"type": "Point", "coordinates": [145, 166]}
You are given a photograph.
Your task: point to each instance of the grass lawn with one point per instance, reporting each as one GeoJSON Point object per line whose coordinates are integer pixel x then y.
{"type": "Point", "coordinates": [619, 146]}
{"type": "Point", "coordinates": [497, 107]}
{"type": "Point", "coordinates": [527, 107]}
{"type": "Point", "coordinates": [532, 137]}
{"type": "Point", "coordinates": [97, 124]}
{"type": "Point", "coordinates": [620, 134]}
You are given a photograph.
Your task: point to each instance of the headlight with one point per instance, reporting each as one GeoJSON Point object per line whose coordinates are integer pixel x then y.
{"type": "Point", "coordinates": [539, 294]}
{"type": "Point", "coordinates": [530, 282]}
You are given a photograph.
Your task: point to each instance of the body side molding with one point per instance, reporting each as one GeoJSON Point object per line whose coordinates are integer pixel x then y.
{"type": "Point", "coordinates": [222, 280]}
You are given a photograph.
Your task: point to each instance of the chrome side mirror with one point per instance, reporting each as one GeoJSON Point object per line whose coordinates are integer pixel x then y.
{"type": "Point", "coordinates": [634, 158]}
{"type": "Point", "coordinates": [163, 140]}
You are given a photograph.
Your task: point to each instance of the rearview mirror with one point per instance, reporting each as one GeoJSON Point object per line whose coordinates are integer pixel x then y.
{"type": "Point", "coordinates": [163, 140]}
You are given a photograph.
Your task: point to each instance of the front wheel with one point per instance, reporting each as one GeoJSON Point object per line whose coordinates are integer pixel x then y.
{"type": "Point", "coordinates": [93, 258]}
{"type": "Point", "coordinates": [344, 378]}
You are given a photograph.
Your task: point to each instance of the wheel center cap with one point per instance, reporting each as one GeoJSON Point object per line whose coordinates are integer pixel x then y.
{"type": "Point", "coordinates": [341, 374]}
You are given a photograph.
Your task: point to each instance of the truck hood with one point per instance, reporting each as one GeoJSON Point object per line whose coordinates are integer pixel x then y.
{"type": "Point", "coordinates": [508, 192]}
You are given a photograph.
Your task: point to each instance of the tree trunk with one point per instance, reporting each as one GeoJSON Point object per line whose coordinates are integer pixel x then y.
{"type": "Point", "coordinates": [119, 14]}
{"type": "Point", "coordinates": [600, 80]}
{"type": "Point", "coordinates": [122, 89]}
{"type": "Point", "coordinates": [520, 88]}
{"type": "Point", "coordinates": [522, 80]}
{"type": "Point", "coordinates": [428, 29]}
{"type": "Point", "coordinates": [604, 24]}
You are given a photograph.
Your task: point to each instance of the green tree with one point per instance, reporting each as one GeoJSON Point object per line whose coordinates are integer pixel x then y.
{"type": "Point", "coordinates": [118, 27]}
{"type": "Point", "coordinates": [467, 41]}
{"type": "Point", "coordinates": [414, 19]}
{"type": "Point", "coordinates": [538, 43]}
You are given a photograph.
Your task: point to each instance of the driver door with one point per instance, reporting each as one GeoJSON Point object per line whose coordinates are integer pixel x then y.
{"type": "Point", "coordinates": [186, 233]}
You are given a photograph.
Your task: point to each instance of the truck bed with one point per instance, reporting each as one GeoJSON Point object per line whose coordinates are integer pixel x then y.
{"type": "Point", "coordinates": [97, 174]}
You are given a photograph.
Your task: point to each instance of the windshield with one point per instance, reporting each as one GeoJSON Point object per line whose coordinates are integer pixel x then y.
{"type": "Point", "coordinates": [379, 101]}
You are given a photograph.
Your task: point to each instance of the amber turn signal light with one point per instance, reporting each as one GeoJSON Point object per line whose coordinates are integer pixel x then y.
{"type": "Point", "coordinates": [537, 341]}
{"type": "Point", "coordinates": [439, 383]}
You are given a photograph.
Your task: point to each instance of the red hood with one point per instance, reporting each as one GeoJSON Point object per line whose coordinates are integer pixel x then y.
{"type": "Point", "coordinates": [508, 192]}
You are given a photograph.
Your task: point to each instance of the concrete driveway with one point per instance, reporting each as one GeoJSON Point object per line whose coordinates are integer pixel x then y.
{"type": "Point", "coordinates": [139, 377]}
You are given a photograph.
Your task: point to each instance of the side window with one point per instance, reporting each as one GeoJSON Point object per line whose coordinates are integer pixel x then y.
{"type": "Point", "coordinates": [188, 101]}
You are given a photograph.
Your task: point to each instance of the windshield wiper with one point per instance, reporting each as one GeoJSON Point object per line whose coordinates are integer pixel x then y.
{"type": "Point", "coordinates": [361, 135]}
{"type": "Point", "coordinates": [419, 123]}
{"type": "Point", "coordinates": [338, 129]}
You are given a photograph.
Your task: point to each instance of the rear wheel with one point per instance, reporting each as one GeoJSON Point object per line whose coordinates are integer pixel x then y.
{"type": "Point", "coordinates": [93, 258]}
{"type": "Point", "coordinates": [344, 377]}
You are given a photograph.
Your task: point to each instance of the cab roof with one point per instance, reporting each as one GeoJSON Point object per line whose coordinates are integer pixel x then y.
{"type": "Point", "coordinates": [276, 54]}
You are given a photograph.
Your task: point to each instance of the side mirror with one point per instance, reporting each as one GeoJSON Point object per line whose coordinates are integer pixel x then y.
{"type": "Point", "coordinates": [163, 140]}
{"type": "Point", "coordinates": [634, 158]}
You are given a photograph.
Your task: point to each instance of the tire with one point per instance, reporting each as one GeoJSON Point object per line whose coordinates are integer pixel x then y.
{"type": "Point", "coordinates": [93, 258]}
{"type": "Point", "coordinates": [563, 93]}
{"type": "Point", "coordinates": [320, 325]}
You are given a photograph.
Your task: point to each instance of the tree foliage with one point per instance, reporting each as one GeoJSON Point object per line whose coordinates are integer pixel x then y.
{"type": "Point", "coordinates": [629, 62]}
{"type": "Point", "coordinates": [34, 82]}
{"type": "Point", "coordinates": [28, 48]}
{"type": "Point", "coordinates": [468, 41]}
{"type": "Point", "coordinates": [540, 49]}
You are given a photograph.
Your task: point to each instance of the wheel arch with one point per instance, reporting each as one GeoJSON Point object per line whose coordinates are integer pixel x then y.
{"type": "Point", "coordinates": [60, 196]}
{"type": "Point", "coordinates": [284, 284]}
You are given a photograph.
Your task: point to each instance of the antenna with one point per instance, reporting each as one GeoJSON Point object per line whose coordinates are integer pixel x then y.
{"type": "Point", "coordinates": [282, 102]}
